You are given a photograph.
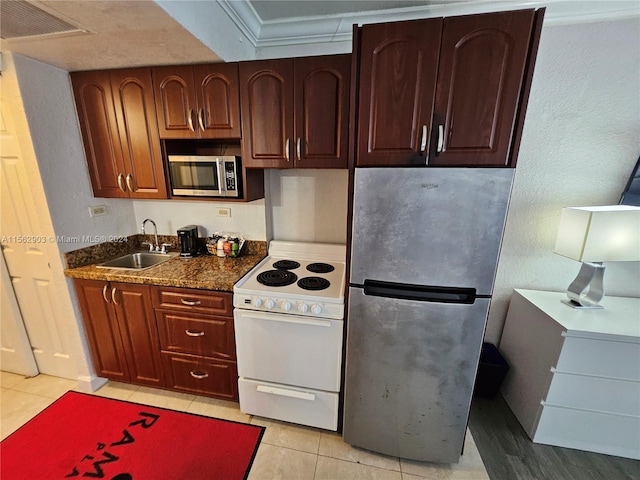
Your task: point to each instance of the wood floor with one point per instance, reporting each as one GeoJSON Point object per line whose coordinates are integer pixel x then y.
{"type": "Point", "coordinates": [508, 453]}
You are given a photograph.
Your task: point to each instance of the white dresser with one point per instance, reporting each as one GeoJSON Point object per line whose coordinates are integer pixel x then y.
{"type": "Point", "coordinates": [574, 378]}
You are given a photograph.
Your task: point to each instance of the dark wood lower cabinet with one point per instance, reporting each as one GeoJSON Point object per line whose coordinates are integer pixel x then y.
{"type": "Point", "coordinates": [201, 375]}
{"type": "Point", "coordinates": [176, 338]}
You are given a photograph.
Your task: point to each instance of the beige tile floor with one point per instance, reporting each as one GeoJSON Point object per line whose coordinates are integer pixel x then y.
{"type": "Point", "coordinates": [287, 451]}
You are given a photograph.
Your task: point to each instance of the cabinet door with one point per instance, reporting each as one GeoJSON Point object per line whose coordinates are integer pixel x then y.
{"type": "Point", "coordinates": [137, 325]}
{"type": "Point", "coordinates": [94, 101]}
{"type": "Point", "coordinates": [138, 131]}
{"type": "Point", "coordinates": [218, 100]}
{"type": "Point", "coordinates": [266, 95]}
{"type": "Point", "coordinates": [398, 68]}
{"type": "Point", "coordinates": [175, 101]}
{"type": "Point", "coordinates": [322, 111]}
{"type": "Point", "coordinates": [482, 64]}
{"type": "Point", "coordinates": [103, 333]}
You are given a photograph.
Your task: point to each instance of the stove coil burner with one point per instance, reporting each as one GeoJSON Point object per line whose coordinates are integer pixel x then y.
{"type": "Point", "coordinates": [277, 278]}
{"type": "Point", "coordinates": [320, 268]}
{"type": "Point", "coordinates": [313, 283]}
{"type": "Point", "coordinates": [286, 264]}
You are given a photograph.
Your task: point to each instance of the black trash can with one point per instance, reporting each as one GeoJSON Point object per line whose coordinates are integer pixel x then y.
{"type": "Point", "coordinates": [491, 371]}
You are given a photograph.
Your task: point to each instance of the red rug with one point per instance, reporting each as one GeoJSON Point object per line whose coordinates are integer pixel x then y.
{"type": "Point", "coordinates": [84, 436]}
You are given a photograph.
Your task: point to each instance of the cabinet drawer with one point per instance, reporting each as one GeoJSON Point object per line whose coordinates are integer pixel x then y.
{"type": "Point", "coordinates": [205, 376]}
{"type": "Point", "coordinates": [590, 431]}
{"type": "Point", "coordinates": [599, 394]}
{"type": "Point", "coordinates": [290, 404]}
{"type": "Point", "coordinates": [185, 299]}
{"type": "Point", "coordinates": [604, 358]}
{"type": "Point", "coordinates": [181, 332]}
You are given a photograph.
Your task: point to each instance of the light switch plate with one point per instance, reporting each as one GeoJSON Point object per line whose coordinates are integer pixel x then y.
{"type": "Point", "coordinates": [98, 210]}
{"type": "Point", "coordinates": [223, 212]}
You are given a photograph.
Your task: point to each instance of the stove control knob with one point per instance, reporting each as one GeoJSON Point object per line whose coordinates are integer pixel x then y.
{"type": "Point", "coordinates": [303, 307]}
{"type": "Point", "coordinates": [316, 309]}
{"type": "Point", "coordinates": [269, 304]}
{"type": "Point", "coordinates": [286, 306]}
{"type": "Point", "coordinates": [257, 302]}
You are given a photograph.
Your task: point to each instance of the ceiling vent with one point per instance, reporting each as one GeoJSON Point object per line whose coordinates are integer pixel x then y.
{"type": "Point", "coordinates": [20, 19]}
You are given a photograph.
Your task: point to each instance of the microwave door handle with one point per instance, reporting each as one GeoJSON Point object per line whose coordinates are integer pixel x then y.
{"type": "Point", "coordinates": [221, 178]}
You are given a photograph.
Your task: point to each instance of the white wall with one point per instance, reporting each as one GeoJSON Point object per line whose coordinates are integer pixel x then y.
{"type": "Point", "coordinates": [579, 146]}
{"type": "Point", "coordinates": [50, 110]}
{"type": "Point", "coordinates": [308, 205]}
{"type": "Point", "coordinates": [246, 218]}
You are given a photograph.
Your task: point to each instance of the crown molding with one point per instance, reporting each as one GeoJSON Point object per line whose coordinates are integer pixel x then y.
{"type": "Point", "coordinates": [338, 28]}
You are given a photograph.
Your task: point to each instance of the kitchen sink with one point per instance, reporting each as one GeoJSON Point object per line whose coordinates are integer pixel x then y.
{"type": "Point", "coordinates": [138, 261]}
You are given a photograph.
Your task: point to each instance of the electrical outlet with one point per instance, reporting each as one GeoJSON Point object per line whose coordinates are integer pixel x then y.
{"type": "Point", "coordinates": [98, 210]}
{"type": "Point", "coordinates": [223, 212]}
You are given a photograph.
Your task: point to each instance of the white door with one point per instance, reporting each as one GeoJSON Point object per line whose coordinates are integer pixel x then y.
{"type": "Point", "coordinates": [27, 247]}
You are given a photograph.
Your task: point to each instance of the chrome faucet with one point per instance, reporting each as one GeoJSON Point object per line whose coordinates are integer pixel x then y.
{"type": "Point", "coordinates": [152, 247]}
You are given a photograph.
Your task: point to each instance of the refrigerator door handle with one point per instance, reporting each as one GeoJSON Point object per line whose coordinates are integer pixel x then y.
{"type": "Point", "coordinates": [421, 293]}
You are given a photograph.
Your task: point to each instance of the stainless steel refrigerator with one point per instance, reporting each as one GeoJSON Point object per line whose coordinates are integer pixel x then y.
{"type": "Point", "coordinates": [424, 251]}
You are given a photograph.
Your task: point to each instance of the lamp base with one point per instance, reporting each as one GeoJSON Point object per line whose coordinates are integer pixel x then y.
{"type": "Point", "coordinates": [577, 306]}
{"type": "Point", "coordinates": [586, 290]}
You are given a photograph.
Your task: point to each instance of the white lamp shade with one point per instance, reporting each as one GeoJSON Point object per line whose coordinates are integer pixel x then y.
{"type": "Point", "coordinates": [599, 234]}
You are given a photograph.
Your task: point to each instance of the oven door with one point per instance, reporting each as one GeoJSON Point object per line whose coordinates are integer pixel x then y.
{"type": "Point", "coordinates": [289, 349]}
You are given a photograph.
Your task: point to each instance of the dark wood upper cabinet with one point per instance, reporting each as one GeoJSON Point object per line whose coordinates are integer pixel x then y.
{"type": "Point", "coordinates": [266, 95]}
{"type": "Point", "coordinates": [295, 112]}
{"type": "Point", "coordinates": [445, 92]}
{"type": "Point", "coordinates": [138, 131]}
{"type": "Point", "coordinates": [117, 119]}
{"type": "Point", "coordinates": [482, 66]}
{"type": "Point", "coordinates": [96, 115]}
{"type": "Point", "coordinates": [398, 68]}
{"type": "Point", "coordinates": [322, 111]}
{"type": "Point", "coordinates": [198, 101]}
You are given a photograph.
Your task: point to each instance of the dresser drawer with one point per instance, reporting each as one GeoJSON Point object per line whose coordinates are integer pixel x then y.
{"type": "Point", "coordinates": [199, 375]}
{"type": "Point", "coordinates": [606, 358]}
{"type": "Point", "coordinates": [598, 394]}
{"type": "Point", "coordinates": [186, 299]}
{"type": "Point", "coordinates": [208, 336]}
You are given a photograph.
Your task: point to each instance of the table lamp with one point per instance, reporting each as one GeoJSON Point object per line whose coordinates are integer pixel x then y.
{"type": "Point", "coordinates": [593, 235]}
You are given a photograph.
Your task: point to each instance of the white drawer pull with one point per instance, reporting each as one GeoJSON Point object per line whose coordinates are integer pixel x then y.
{"type": "Point", "coordinates": [286, 393]}
{"type": "Point", "coordinates": [191, 303]}
{"type": "Point", "coordinates": [193, 333]}
{"type": "Point", "coordinates": [199, 375]}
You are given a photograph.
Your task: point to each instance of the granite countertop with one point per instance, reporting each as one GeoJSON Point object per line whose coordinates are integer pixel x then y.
{"type": "Point", "coordinates": [206, 272]}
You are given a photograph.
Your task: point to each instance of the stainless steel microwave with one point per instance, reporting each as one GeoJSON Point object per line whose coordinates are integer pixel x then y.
{"type": "Point", "coordinates": [204, 176]}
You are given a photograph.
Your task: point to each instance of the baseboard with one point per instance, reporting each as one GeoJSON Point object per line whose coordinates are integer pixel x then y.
{"type": "Point", "coordinates": [89, 384]}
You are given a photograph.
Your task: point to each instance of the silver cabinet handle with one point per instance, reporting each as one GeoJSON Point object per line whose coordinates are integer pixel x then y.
{"type": "Point", "coordinates": [120, 184]}
{"type": "Point", "coordinates": [286, 150]}
{"type": "Point", "coordinates": [298, 148]}
{"type": "Point", "coordinates": [129, 182]}
{"type": "Point", "coordinates": [440, 138]}
{"type": "Point", "coordinates": [113, 296]}
{"type": "Point", "coordinates": [199, 375]}
{"type": "Point", "coordinates": [201, 119]}
{"type": "Point", "coordinates": [104, 293]}
{"type": "Point", "coordinates": [423, 141]}
{"type": "Point", "coordinates": [193, 333]}
{"type": "Point", "coordinates": [191, 303]}
{"type": "Point", "coordinates": [191, 120]}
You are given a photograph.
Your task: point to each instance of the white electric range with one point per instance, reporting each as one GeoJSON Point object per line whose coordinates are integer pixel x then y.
{"type": "Point", "coordinates": [288, 320]}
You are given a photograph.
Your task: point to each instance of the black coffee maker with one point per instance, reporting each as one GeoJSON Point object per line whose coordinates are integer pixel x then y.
{"type": "Point", "coordinates": [188, 238]}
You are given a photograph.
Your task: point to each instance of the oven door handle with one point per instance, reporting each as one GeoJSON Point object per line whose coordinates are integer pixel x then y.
{"type": "Point", "coordinates": [286, 393]}
{"type": "Point", "coordinates": [221, 177]}
{"type": "Point", "coordinates": [285, 319]}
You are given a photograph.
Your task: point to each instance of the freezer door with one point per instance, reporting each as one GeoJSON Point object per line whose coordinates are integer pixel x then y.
{"type": "Point", "coordinates": [410, 372]}
{"type": "Point", "coordinates": [429, 226]}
